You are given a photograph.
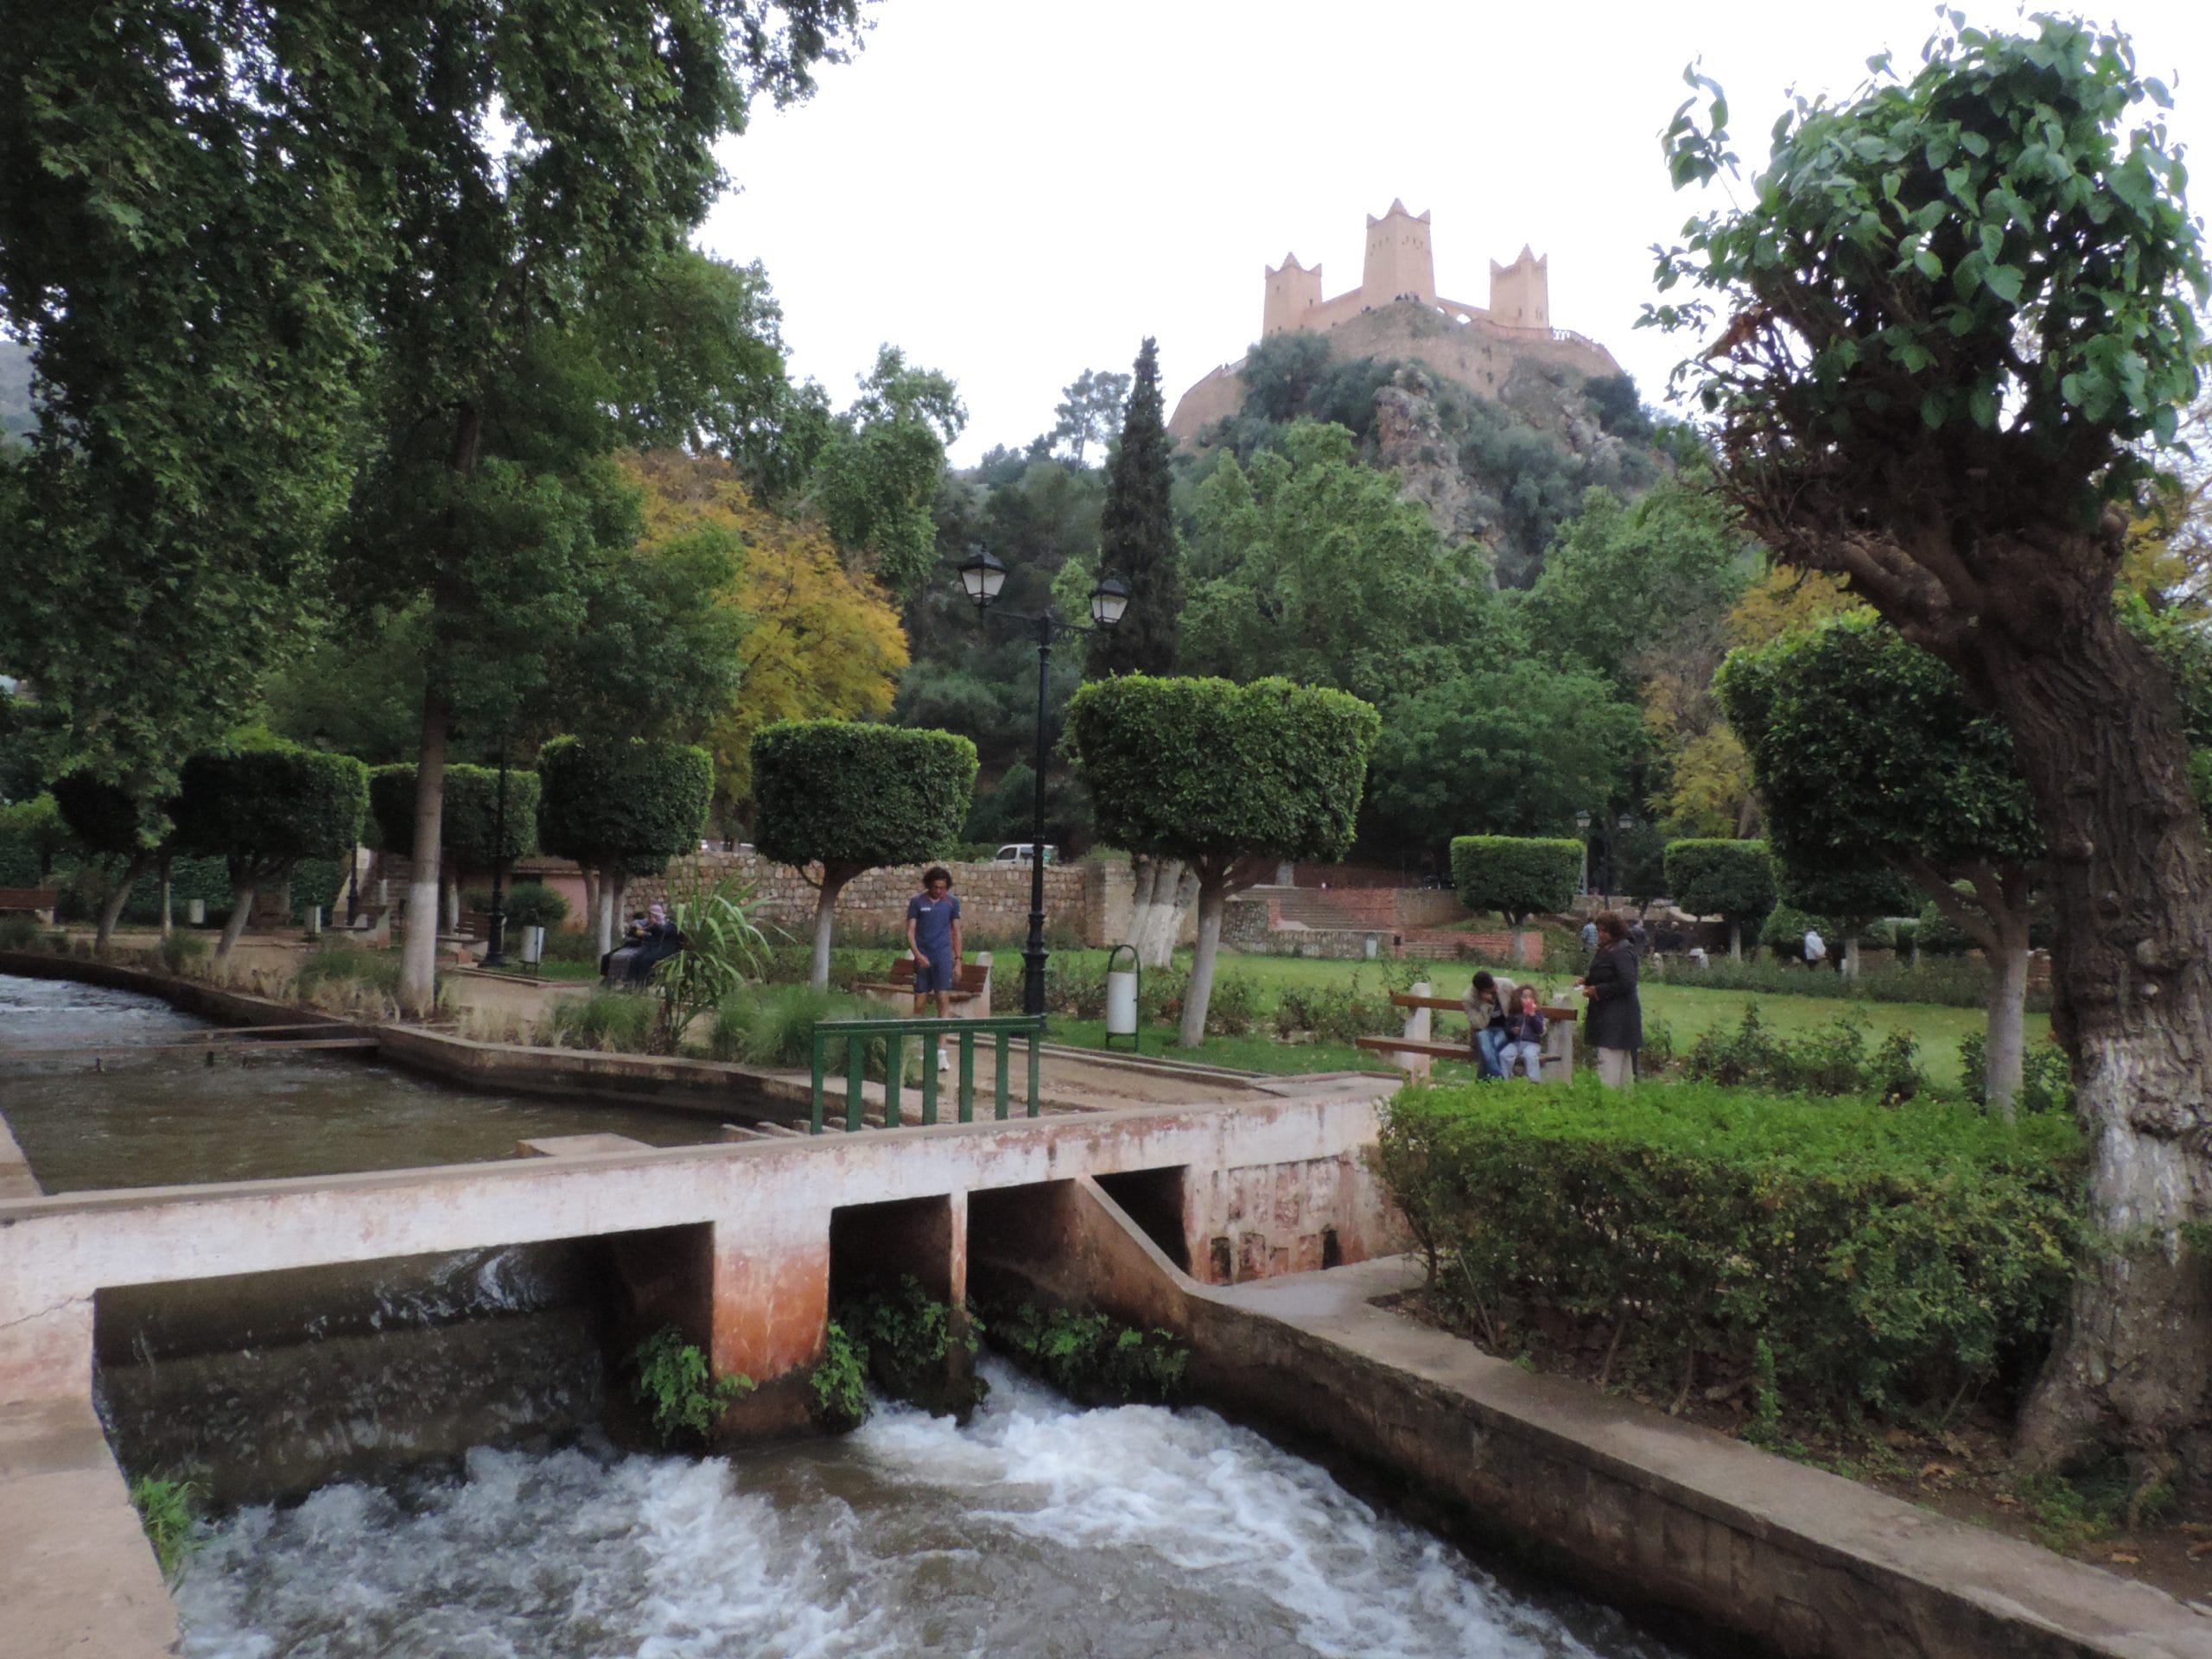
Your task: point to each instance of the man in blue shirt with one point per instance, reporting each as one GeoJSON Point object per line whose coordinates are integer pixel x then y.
{"type": "Point", "coordinates": [933, 935]}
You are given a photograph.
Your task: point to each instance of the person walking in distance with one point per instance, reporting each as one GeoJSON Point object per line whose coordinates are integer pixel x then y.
{"type": "Point", "coordinates": [1615, 1023]}
{"type": "Point", "coordinates": [933, 935]}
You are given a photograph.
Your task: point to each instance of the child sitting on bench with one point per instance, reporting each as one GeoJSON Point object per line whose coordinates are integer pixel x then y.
{"type": "Point", "coordinates": [1524, 1036]}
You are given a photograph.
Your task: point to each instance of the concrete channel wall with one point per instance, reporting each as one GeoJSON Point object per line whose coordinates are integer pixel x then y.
{"type": "Point", "coordinates": [1644, 1511]}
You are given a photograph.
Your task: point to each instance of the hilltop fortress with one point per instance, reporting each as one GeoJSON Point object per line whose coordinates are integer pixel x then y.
{"type": "Point", "coordinates": [1396, 312]}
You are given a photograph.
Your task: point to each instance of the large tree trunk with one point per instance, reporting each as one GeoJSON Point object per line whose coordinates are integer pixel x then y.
{"type": "Point", "coordinates": [1849, 965]}
{"type": "Point", "coordinates": [1213, 900]}
{"type": "Point", "coordinates": [1735, 941]}
{"type": "Point", "coordinates": [2097, 730]}
{"type": "Point", "coordinates": [2004, 1047]}
{"type": "Point", "coordinates": [112, 910]}
{"type": "Point", "coordinates": [1144, 873]}
{"type": "Point", "coordinates": [591, 900]}
{"type": "Point", "coordinates": [825, 923]}
{"type": "Point", "coordinates": [418, 957]}
{"type": "Point", "coordinates": [168, 926]}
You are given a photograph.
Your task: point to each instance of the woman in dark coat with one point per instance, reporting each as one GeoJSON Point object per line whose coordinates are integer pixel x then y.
{"type": "Point", "coordinates": [1614, 1023]}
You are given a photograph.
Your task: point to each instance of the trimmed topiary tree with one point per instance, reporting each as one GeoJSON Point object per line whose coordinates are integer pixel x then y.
{"type": "Point", "coordinates": [853, 797]}
{"type": "Point", "coordinates": [110, 823]}
{"type": "Point", "coordinates": [1516, 875]}
{"type": "Point", "coordinates": [1867, 751]}
{"type": "Point", "coordinates": [620, 806]}
{"type": "Point", "coordinates": [469, 839]}
{"type": "Point", "coordinates": [263, 810]}
{"type": "Point", "coordinates": [1849, 898]}
{"type": "Point", "coordinates": [1231, 778]}
{"type": "Point", "coordinates": [1733, 879]}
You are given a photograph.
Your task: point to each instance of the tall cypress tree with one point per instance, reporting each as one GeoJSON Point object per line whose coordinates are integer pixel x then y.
{"type": "Point", "coordinates": [1136, 537]}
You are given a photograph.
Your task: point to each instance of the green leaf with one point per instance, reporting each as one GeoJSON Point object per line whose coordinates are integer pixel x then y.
{"type": "Point", "coordinates": [2004, 281]}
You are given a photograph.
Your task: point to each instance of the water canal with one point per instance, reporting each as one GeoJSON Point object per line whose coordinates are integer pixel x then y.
{"type": "Point", "coordinates": [406, 1462]}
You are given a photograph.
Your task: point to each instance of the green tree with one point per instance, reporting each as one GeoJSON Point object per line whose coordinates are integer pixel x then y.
{"type": "Point", "coordinates": [263, 810]}
{"type": "Point", "coordinates": [113, 824]}
{"type": "Point", "coordinates": [1961, 309]}
{"type": "Point", "coordinates": [853, 797]}
{"type": "Point", "coordinates": [187, 238]}
{"type": "Point", "coordinates": [1230, 779]}
{"type": "Point", "coordinates": [1091, 408]}
{"type": "Point", "coordinates": [1136, 536]}
{"type": "Point", "coordinates": [1516, 752]}
{"type": "Point", "coordinates": [1848, 897]}
{"type": "Point", "coordinates": [879, 470]}
{"type": "Point", "coordinates": [1866, 750]}
{"type": "Point", "coordinates": [1734, 880]}
{"type": "Point", "coordinates": [621, 806]}
{"type": "Point", "coordinates": [1309, 565]}
{"type": "Point", "coordinates": [1623, 587]}
{"type": "Point", "coordinates": [1516, 877]}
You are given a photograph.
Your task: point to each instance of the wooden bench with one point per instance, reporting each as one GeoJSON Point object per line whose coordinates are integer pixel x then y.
{"type": "Point", "coordinates": [971, 985]}
{"type": "Point", "coordinates": [1559, 1036]}
{"type": "Point", "coordinates": [37, 902]}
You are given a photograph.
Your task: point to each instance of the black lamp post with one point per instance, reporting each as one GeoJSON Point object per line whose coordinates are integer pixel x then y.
{"type": "Point", "coordinates": [495, 955]}
{"type": "Point", "coordinates": [983, 576]}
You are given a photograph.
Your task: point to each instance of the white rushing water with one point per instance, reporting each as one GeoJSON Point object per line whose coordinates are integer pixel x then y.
{"type": "Point", "coordinates": [1041, 1530]}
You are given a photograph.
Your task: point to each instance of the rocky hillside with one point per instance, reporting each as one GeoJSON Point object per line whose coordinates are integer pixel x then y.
{"type": "Point", "coordinates": [1500, 451]}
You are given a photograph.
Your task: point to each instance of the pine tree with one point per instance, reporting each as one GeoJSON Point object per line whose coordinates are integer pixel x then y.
{"type": "Point", "coordinates": [1136, 537]}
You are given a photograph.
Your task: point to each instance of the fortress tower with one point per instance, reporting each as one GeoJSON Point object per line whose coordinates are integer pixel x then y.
{"type": "Point", "coordinates": [1521, 293]}
{"type": "Point", "coordinates": [1293, 290]}
{"type": "Point", "coordinates": [1399, 263]}
{"type": "Point", "coordinates": [1478, 348]}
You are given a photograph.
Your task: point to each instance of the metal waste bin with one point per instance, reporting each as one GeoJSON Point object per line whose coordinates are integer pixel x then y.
{"type": "Point", "coordinates": [195, 913]}
{"type": "Point", "coordinates": [533, 947]}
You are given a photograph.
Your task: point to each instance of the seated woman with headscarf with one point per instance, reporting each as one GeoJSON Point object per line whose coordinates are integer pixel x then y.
{"type": "Point", "coordinates": [658, 943]}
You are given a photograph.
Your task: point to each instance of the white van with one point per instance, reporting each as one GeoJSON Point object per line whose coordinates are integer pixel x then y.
{"type": "Point", "coordinates": [1018, 852]}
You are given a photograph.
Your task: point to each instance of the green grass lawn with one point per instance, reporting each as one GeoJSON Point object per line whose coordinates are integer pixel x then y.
{"type": "Point", "coordinates": [1686, 1010]}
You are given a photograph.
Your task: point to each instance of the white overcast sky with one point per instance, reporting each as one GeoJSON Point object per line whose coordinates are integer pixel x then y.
{"type": "Point", "coordinates": [1015, 190]}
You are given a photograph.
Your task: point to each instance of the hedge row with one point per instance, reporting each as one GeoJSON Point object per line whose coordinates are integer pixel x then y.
{"type": "Point", "coordinates": [1888, 1257]}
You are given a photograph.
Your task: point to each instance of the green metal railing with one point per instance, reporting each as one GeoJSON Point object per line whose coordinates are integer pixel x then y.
{"type": "Point", "coordinates": [857, 1035]}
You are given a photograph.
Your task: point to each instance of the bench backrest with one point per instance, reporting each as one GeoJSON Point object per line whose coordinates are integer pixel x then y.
{"type": "Point", "coordinates": [28, 898]}
{"type": "Point", "coordinates": [972, 975]}
{"type": "Point", "coordinates": [1454, 1005]}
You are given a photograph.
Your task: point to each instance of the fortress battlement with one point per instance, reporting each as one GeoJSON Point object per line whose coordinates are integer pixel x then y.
{"type": "Point", "coordinates": [1400, 270]}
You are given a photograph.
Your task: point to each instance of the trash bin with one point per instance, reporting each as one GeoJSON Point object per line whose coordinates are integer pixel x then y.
{"type": "Point", "coordinates": [314, 921]}
{"type": "Point", "coordinates": [1122, 996]}
{"type": "Point", "coordinates": [195, 913]}
{"type": "Point", "coordinates": [533, 946]}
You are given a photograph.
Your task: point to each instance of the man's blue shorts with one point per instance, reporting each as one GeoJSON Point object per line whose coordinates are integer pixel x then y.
{"type": "Point", "coordinates": [929, 977]}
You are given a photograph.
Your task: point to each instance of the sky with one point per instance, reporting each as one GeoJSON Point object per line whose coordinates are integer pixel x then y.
{"type": "Point", "coordinates": [1013, 191]}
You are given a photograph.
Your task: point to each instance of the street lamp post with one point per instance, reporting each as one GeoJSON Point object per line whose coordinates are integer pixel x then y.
{"type": "Point", "coordinates": [983, 576]}
{"type": "Point", "coordinates": [496, 954]}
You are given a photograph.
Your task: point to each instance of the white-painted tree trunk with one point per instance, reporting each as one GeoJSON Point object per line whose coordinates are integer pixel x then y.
{"type": "Point", "coordinates": [591, 901]}
{"type": "Point", "coordinates": [825, 926]}
{"type": "Point", "coordinates": [112, 910]}
{"type": "Point", "coordinates": [2006, 1046]}
{"type": "Point", "coordinates": [1144, 874]}
{"type": "Point", "coordinates": [453, 902]}
{"type": "Point", "coordinates": [168, 924]}
{"type": "Point", "coordinates": [1851, 956]}
{"type": "Point", "coordinates": [241, 910]}
{"type": "Point", "coordinates": [418, 949]}
{"type": "Point", "coordinates": [1212, 901]}
{"type": "Point", "coordinates": [1735, 941]}
{"type": "Point", "coordinates": [1169, 910]}
{"type": "Point", "coordinates": [602, 911]}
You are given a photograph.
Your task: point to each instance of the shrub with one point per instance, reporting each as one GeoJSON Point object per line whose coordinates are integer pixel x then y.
{"type": "Point", "coordinates": [1340, 1012]}
{"type": "Point", "coordinates": [1731, 879]}
{"type": "Point", "coordinates": [904, 1338]}
{"type": "Point", "coordinates": [1889, 1258]}
{"type": "Point", "coordinates": [1516, 876]}
{"type": "Point", "coordinates": [346, 965]}
{"type": "Point", "coordinates": [1831, 1060]}
{"type": "Point", "coordinates": [1954, 981]}
{"type": "Point", "coordinates": [1234, 1008]}
{"type": "Point", "coordinates": [528, 904]}
{"type": "Point", "coordinates": [18, 932]}
{"type": "Point", "coordinates": [774, 1025]}
{"type": "Point", "coordinates": [2046, 1074]}
{"type": "Point", "coordinates": [34, 839]}
{"type": "Point", "coordinates": [181, 950]}
{"type": "Point", "coordinates": [676, 1380]}
{"type": "Point", "coordinates": [1090, 1358]}
{"type": "Point", "coordinates": [839, 1384]}
{"type": "Point", "coordinates": [169, 1510]}
{"type": "Point", "coordinates": [614, 1021]}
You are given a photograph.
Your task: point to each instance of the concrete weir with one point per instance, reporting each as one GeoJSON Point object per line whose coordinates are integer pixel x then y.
{"type": "Point", "coordinates": [1252, 1226]}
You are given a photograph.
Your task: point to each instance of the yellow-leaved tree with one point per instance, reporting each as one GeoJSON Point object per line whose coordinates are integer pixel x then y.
{"type": "Point", "coordinates": [822, 643]}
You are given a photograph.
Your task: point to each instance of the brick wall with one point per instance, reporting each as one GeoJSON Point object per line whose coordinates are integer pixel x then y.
{"type": "Point", "coordinates": [994, 897]}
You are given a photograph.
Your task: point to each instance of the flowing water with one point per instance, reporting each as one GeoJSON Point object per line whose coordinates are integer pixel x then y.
{"type": "Point", "coordinates": [1041, 1530]}
{"type": "Point", "coordinates": [166, 1117]}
